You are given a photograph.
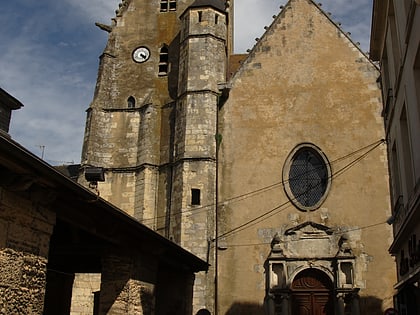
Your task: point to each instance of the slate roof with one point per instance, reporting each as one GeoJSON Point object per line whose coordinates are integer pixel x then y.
{"type": "Point", "coordinates": [235, 62]}
{"type": "Point", "coordinates": [9, 101]}
{"type": "Point", "coordinates": [217, 4]}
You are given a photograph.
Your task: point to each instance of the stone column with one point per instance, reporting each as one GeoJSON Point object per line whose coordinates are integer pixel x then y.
{"type": "Point", "coordinates": [285, 302]}
{"type": "Point", "coordinates": [83, 296]}
{"type": "Point", "coordinates": [275, 302]}
{"type": "Point", "coordinates": [270, 304]}
{"type": "Point", "coordinates": [340, 304]}
{"type": "Point", "coordinates": [124, 288]}
{"type": "Point", "coordinates": [355, 304]}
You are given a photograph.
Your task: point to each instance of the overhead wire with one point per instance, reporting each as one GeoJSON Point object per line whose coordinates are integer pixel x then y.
{"type": "Point", "coordinates": [197, 210]}
{"type": "Point", "coordinates": [336, 233]}
{"type": "Point", "coordinates": [273, 211]}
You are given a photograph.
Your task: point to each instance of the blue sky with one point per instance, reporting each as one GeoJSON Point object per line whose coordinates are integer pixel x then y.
{"type": "Point", "coordinates": [50, 53]}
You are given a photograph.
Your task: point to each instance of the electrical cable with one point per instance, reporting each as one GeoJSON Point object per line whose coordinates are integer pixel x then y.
{"type": "Point", "coordinates": [336, 233]}
{"type": "Point", "coordinates": [272, 212]}
{"type": "Point", "coordinates": [197, 210]}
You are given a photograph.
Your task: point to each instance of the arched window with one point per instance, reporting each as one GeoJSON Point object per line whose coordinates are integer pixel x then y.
{"type": "Point", "coordinates": [131, 102]}
{"type": "Point", "coordinates": [163, 61]}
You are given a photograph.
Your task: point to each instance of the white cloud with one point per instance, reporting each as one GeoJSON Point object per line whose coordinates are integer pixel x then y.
{"type": "Point", "coordinates": [50, 55]}
{"type": "Point", "coordinates": [250, 18]}
{"type": "Point", "coordinates": [95, 10]}
{"type": "Point", "coordinates": [355, 17]}
{"type": "Point", "coordinates": [46, 69]}
{"type": "Point", "coordinates": [252, 15]}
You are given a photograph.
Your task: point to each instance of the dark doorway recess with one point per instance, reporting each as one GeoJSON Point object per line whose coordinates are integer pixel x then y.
{"type": "Point", "coordinates": [312, 293]}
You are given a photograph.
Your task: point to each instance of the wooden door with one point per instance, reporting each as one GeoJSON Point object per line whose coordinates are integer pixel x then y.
{"type": "Point", "coordinates": [312, 294]}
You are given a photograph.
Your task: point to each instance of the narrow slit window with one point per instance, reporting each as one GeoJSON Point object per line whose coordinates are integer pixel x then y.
{"type": "Point", "coordinates": [417, 76]}
{"type": "Point", "coordinates": [163, 61]}
{"type": "Point", "coordinates": [195, 197]}
{"type": "Point", "coordinates": [131, 102]}
{"type": "Point", "coordinates": [216, 18]}
{"type": "Point", "coordinates": [395, 179]}
{"type": "Point", "coordinates": [406, 151]}
{"type": "Point", "coordinates": [200, 16]}
{"type": "Point", "coordinates": [347, 270]}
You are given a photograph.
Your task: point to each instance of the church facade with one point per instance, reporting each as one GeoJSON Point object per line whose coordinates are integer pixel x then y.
{"type": "Point", "coordinates": [270, 166]}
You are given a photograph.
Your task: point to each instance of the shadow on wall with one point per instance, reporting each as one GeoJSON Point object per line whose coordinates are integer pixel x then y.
{"type": "Point", "coordinates": [246, 309]}
{"type": "Point", "coordinates": [371, 305]}
{"type": "Point", "coordinates": [368, 305]}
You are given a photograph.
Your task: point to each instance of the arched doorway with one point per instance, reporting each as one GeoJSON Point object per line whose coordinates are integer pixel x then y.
{"type": "Point", "coordinates": [312, 293]}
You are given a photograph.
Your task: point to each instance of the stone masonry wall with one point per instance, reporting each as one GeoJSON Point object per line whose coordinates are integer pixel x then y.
{"type": "Point", "coordinates": [128, 284]}
{"type": "Point", "coordinates": [304, 82]}
{"type": "Point", "coordinates": [84, 287]}
{"type": "Point", "coordinates": [25, 230]}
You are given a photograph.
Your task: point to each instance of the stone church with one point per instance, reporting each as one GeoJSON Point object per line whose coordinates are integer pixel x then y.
{"type": "Point", "coordinates": [268, 165]}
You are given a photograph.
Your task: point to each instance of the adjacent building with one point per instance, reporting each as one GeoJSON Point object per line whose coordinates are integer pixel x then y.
{"type": "Point", "coordinates": [395, 45]}
{"type": "Point", "coordinates": [7, 104]}
{"type": "Point", "coordinates": [270, 166]}
{"type": "Point", "coordinates": [52, 228]}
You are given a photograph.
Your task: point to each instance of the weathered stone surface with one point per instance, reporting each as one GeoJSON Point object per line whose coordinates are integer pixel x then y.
{"type": "Point", "coordinates": [303, 82]}
{"type": "Point", "coordinates": [84, 287]}
{"type": "Point", "coordinates": [25, 230]}
{"type": "Point", "coordinates": [22, 283]}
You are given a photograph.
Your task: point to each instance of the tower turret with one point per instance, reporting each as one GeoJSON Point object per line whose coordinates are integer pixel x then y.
{"type": "Point", "coordinates": [202, 65]}
{"type": "Point", "coordinates": [131, 110]}
{"type": "Point", "coordinates": [152, 123]}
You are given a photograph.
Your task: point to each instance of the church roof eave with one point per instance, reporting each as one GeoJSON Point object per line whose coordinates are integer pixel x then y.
{"type": "Point", "coordinates": [377, 37]}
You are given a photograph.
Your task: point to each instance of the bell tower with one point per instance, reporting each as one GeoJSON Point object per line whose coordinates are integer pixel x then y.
{"type": "Point", "coordinates": [153, 120]}
{"type": "Point", "coordinates": [136, 86]}
{"type": "Point", "coordinates": [131, 122]}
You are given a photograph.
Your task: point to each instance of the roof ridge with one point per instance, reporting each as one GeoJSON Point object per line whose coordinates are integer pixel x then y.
{"type": "Point", "coordinates": [279, 16]}
{"type": "Point", "coordinates": [217, 4]}
{"type": "Point", "coordinates": [338, 26]}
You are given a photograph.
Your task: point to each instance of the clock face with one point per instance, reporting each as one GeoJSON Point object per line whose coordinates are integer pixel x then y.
{"type": "Point", "coordinates": [141, 54]}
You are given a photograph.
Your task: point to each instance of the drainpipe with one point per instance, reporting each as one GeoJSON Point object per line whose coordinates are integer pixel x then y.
{"type": "Point", "coordinates": [224, 89]}
{"type": "Point", "coordinates": [216, 217]}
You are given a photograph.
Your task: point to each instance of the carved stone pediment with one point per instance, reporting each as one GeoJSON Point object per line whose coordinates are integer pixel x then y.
{"type": "Point", "coordinates": [307, 240]}
{"type": "Point", "coordinates": [310, 229]}
{"type": "Point", "coordinates": [310, 245]}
